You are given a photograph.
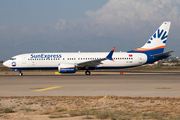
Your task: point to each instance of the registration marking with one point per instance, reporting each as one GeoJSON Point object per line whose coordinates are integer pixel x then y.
{"type": "Point", "coordinates": [48, 88]}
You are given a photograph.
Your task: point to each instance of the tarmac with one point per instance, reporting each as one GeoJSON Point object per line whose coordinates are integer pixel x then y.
{"type": "Point", "coordinates": [141, 83]}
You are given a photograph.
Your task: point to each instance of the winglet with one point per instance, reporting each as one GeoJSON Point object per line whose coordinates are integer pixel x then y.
{"type": "Point", "coordinates": [109, 56]}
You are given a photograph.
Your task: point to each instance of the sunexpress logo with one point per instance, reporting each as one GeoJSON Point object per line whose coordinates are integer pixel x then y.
{"type": "Point", "coordinates": [13, 64]}
{"type": "Point", "coordinates": [159, 34]}
{"type": "Point", "coordinates": [47, 56]}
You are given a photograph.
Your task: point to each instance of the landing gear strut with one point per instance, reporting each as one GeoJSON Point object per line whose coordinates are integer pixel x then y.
{"type": "Point", "coordinates": [87, 72]}
{"type": "Point", "coordinates": [20, 73]}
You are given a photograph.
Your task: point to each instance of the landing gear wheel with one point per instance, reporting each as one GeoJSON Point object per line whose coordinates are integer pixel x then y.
{"type": "Point", "coordinates": [20, 74]}
{"type": "Point", "coordinates": [87, 72]}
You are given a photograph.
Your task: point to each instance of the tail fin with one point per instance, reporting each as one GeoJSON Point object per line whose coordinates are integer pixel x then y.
{"type": "Point", "coordinates": [157, 42]}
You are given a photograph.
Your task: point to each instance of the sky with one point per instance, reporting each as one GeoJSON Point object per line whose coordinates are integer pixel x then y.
{"type": "Point", "coordinates": [28, 26]}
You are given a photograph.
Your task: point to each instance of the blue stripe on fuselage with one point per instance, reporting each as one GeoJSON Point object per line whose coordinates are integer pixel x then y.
{"type": "Point", "coordinates": [56, 68]}
{"type": "Point", "coordinates": [118, 67]}
{"type": "Point", "coordinates": [34, 68]}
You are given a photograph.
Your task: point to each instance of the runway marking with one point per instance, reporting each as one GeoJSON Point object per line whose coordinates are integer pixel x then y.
{"type": "Point", "coordinates": [48, 88]}
{"type": "Point", "coordinates": [57, 73]}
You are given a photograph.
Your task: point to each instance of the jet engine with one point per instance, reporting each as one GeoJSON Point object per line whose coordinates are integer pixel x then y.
{"type": "Point", "coordinates": [66, 68]}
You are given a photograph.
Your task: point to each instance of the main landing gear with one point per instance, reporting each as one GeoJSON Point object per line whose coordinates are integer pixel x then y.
{"type": "Point", "coordinates": [88, 72]}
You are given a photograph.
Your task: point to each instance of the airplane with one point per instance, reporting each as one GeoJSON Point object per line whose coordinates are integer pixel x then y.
{"type": "Point", "coordinates": [152, 51]}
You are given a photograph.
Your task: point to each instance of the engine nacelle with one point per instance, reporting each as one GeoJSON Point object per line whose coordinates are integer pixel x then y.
{"type": "Point", "coordinates": [66, 68]}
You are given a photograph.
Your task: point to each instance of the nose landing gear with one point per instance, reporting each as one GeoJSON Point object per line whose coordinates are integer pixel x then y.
{"type": "Point", "coordinates": [20, 73]}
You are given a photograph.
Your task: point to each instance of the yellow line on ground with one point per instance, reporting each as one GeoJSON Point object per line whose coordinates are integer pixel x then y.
{"type": "Point", "coordinates": [57, 73]}
{"type": "Point", "coordinates": [48, 88]}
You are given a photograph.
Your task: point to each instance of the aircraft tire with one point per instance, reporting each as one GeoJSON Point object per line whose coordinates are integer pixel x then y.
{"type": "Point", "coordinates": [88, 72]}
{"type": "Point", "coordinates": [20, 74]}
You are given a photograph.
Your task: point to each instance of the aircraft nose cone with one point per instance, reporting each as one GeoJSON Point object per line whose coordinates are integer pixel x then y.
{"type": "Point", "coordinates": [6, 63]}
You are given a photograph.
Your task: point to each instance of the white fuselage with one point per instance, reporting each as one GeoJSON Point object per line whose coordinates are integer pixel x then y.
{"type": "Point", "coordinates": [52, 60]}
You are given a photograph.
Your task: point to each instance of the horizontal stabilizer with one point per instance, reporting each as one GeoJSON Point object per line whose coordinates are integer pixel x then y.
{"type": "Point", "coordinates": [162, 54]}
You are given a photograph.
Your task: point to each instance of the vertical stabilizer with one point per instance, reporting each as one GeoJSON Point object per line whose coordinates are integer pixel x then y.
{"type": "Point", "coordinates": [158, 40]}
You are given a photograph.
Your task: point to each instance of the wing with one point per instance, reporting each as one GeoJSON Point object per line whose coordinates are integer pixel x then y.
{"type": "Point", "coordinates": [91, 63]}
{"type": "Point", "coordinates": [96, 62]}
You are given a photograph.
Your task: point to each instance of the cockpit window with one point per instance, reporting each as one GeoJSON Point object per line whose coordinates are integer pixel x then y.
{"type": "Point", "coordinates": [12, 58]}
